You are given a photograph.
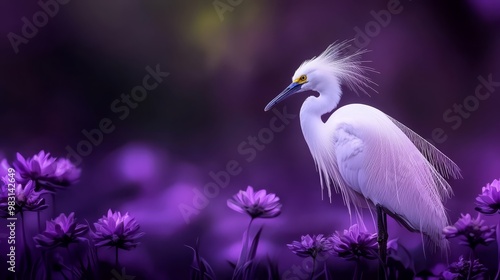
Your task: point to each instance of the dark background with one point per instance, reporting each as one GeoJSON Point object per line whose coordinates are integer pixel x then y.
{"type": "Point", "coordinates": [222, 74]}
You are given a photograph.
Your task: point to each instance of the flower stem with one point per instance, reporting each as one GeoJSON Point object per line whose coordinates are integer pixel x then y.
{"type": "Point", "coordinates": [46, 264]}
{"type": "Point", "coordinates": [53, 195]}
{"type": "Point", "coordinates": [312, 268]}
{"type": "Point", "coordinates": [248, 229]}
{"type": "Point", "coordinates": [244, 252]}
{"type": "Point", "coordinates": [471, 264]}
{"type": "Point", "coordinates": [116, 258]}
{"type": "Point", "coordinates": [69, 253]}
{"type": "Point", "coordinates": [248, 245]}
{"type": "Point", "coordinates": [25, 243]}
{"type": "Point", "coordinates": [38, 220]}
{"type": "Point", "coordinates": [248, 235]}
{"type": "Point", "coordinates": [356, 270]}
{"type": "Point", "coordinates": [498, 252]}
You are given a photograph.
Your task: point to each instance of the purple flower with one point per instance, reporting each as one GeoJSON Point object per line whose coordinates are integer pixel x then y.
{"type": "Point", "coordinates": [39, 167]}
{"type": "Point", "coordinates": [257, 205]}
{"type": "Point", "coordinates": [311, 246]}
{"type": "Point", "coordinates": [460, 270]}
{"type": "Point", "coordinates": [65, 173]}
{"type": "Point", "coordinates": [117, 230]}
{"type": "Point", "coordinates": [48, 172]}
{"type": "Point", "coordinates": [25, 198]}
{"type": "Point", "coordinates": [488, 202]}
{"type": "Point", "coordinates": [473, 231]}
{"type": "Point", "coordinates": [60, 232]}
{"type": "Point", "coordinates": [354, 244]}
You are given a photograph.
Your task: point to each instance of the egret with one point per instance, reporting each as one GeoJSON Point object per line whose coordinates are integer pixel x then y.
{"type": "Point", "coordinates": [371, 158]}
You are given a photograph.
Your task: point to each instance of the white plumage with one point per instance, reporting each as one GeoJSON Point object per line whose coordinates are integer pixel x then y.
{"type": "Point", "coordinates": [366, 155]}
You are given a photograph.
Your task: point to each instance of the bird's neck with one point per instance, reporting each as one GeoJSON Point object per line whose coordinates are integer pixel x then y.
{"type": "Point", "coordinates": [314, 107]}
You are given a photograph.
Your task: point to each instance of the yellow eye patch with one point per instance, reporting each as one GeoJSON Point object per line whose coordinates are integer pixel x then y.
{"type": "Point", "coordinates": [300, 80]}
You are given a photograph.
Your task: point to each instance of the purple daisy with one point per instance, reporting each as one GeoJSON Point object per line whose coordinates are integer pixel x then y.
{"type": "Point", "coordinates": [65, 174]}
{"type": "Point", "coordinates": [47, 172]}
{"type": "Point", "coordinates": [488, 202]}
{"type": "Point", "coordinates": [311, 246]}
{"type": "Point", "coordinates": [473, 231]}
{"type": "Point", "coordinates": [116, 230]}
{"type": "Point", "coordinates": [60, 232]}
{"type": "Point", "coordinates": [461, 269]}
{"type": "Point", "coordinates": [257, 205]}
{"type": "Point", "coordinates": [354, 244]}
{"type": "Point", "coordinates": [39, 167]}
{"type": "Point", "coordinates": [26, 198]}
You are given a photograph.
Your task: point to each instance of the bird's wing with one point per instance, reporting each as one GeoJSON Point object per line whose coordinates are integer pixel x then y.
{"type": "Point", "coordinates": [443, 164]}
{"type": "Point", "coordinates": [378, 160]}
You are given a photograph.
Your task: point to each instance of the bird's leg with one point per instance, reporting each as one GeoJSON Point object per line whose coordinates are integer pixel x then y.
{"type": "Point", "coordinates": [382, 240]}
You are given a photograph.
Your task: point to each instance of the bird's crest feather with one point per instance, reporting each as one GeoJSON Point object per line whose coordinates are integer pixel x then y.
{"type": "Point", "coordinates": [343, 63]}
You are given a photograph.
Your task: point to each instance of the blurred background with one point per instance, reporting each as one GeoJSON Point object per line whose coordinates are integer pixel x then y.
{"type": "Point", "coordinates": [226, 61]}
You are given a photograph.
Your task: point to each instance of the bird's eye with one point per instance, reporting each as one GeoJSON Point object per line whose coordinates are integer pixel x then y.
{"type": "Point", "coordinates": [301, 79]}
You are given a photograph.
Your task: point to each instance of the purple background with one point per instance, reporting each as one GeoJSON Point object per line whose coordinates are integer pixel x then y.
{"type": "Point", "coordinates": [222, 74]}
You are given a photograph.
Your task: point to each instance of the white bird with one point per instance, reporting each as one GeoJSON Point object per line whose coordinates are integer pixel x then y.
{"type": "Point", "coordinates": [369, 157]}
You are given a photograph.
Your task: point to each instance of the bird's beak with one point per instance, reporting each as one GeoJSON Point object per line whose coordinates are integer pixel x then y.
{"type": "Point", "coordinates": [289, 91]}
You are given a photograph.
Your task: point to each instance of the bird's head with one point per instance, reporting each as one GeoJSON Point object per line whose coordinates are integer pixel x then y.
{"type": "Point", "coordinates": [335, 65]}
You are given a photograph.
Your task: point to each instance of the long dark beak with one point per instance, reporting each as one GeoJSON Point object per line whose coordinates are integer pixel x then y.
{"type": "Point", "coordinates": [289, 91]}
